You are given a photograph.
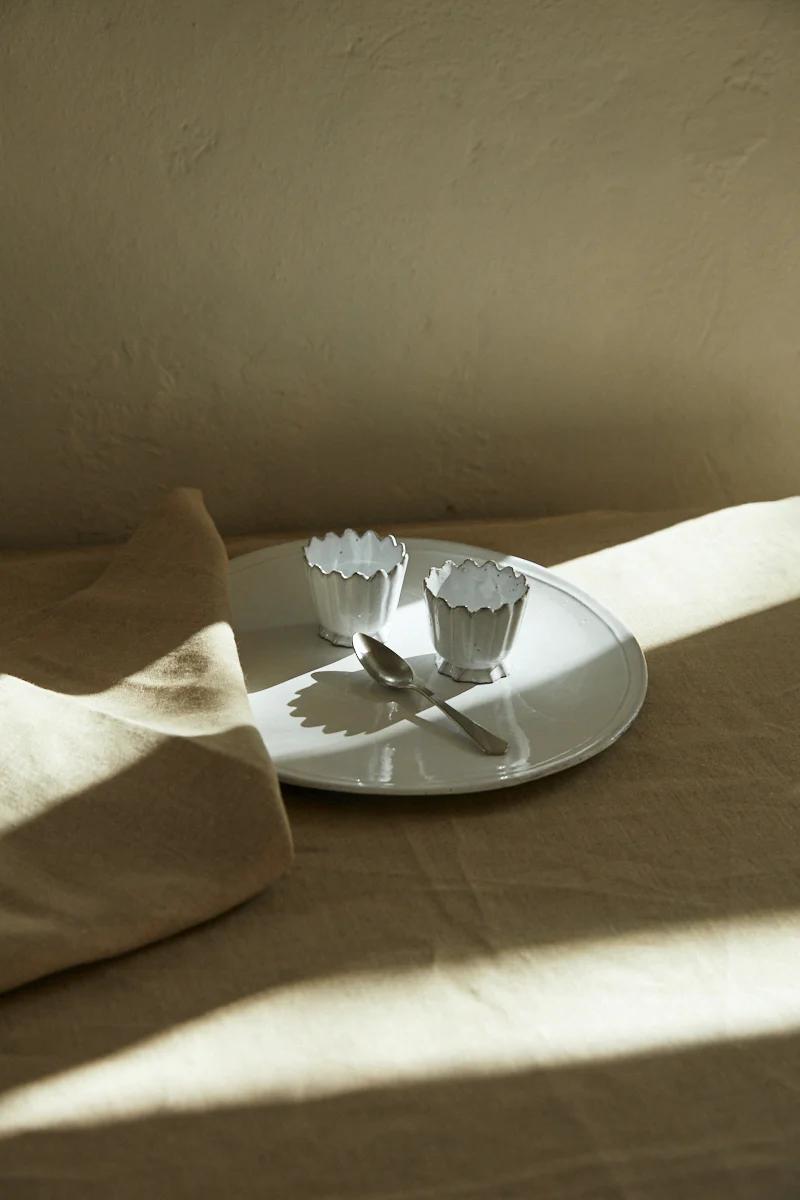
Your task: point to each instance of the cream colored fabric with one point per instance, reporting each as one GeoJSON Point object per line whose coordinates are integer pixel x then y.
{"type": "Point", "coordinates": [580, 989]}
{"type": "Point", "coordinates": [136, 798]}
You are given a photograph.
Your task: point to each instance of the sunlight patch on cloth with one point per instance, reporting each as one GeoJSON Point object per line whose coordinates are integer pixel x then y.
{"type": "Point", "coordinates": [642, 994]}
{"type": "Point", "coordinates": [735, 551]}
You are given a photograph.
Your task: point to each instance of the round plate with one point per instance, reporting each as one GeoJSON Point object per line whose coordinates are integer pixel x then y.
{"type": "Point", "coordinates": [577, 679]}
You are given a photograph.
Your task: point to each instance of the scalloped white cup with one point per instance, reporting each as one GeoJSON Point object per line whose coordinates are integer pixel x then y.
{"type": "Point", "coordinates": [355, 581]}
{"type": "Point", "coordinates": [475, 609]}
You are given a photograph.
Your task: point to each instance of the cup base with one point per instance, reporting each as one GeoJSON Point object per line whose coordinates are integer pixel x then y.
{"type": "Point", "coordinates": [471, 674]}
{"type": "Point", "coordinates": [338, 639]}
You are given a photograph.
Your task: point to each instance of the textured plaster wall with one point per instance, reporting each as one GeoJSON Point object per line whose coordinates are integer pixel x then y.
{"type": "Point", "coordinates": [347, 260]}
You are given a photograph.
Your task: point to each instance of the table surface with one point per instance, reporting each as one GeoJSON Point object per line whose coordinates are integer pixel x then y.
{"type": "Point", "coordinates": [582, 987]}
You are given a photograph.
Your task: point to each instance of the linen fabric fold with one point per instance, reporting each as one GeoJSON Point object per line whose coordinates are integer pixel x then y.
{"type": "Point", "coordinates": [136, 797]}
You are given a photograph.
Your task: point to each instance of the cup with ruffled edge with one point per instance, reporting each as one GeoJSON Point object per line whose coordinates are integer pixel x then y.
{"type": "Point", "coordinates": [475, 609]}
{"type": "Point", "coordinates": [355, 580]}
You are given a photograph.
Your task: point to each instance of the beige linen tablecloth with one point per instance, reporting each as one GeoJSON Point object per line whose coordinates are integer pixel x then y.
{"type": "Point", "coordinates": [587, 987]}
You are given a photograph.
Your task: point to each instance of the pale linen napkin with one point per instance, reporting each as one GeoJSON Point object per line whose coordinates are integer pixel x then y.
{"type": "Point", "coordinates": [136, 797]}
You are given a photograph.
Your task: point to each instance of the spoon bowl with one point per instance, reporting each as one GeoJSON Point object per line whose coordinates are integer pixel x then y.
{"type": "Point", "coordinates": [382, 663]}
{"type": "Point", "coordinates": [389, 668]}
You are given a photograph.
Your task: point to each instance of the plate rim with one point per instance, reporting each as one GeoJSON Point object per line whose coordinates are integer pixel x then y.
{"type": "Point", "coordinates": [628, 643]}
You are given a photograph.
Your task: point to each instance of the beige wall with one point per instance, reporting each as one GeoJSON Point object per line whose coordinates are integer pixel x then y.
{"type": "Point", "coordinates": [346, 261]}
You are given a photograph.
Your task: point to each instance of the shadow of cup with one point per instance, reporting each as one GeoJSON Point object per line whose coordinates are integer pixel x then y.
{"type": "Point", "coordinates": [351, 703]}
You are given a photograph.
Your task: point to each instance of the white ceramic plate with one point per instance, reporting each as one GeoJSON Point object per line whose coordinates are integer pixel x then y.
{"type": "Point", "coordinates": [577, 680]}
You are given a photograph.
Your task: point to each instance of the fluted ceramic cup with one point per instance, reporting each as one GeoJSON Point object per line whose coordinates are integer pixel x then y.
{"type": "Point", "coordinates": [355, 581]}
{"type": "Point", "coordinates": [475, 609]}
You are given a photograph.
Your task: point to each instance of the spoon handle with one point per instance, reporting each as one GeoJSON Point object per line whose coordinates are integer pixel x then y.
{"type": "Point", "coordinates": [489, 743]}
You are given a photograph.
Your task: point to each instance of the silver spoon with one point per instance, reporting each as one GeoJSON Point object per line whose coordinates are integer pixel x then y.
{"type": "Point", "coordinates": [388, 668]}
